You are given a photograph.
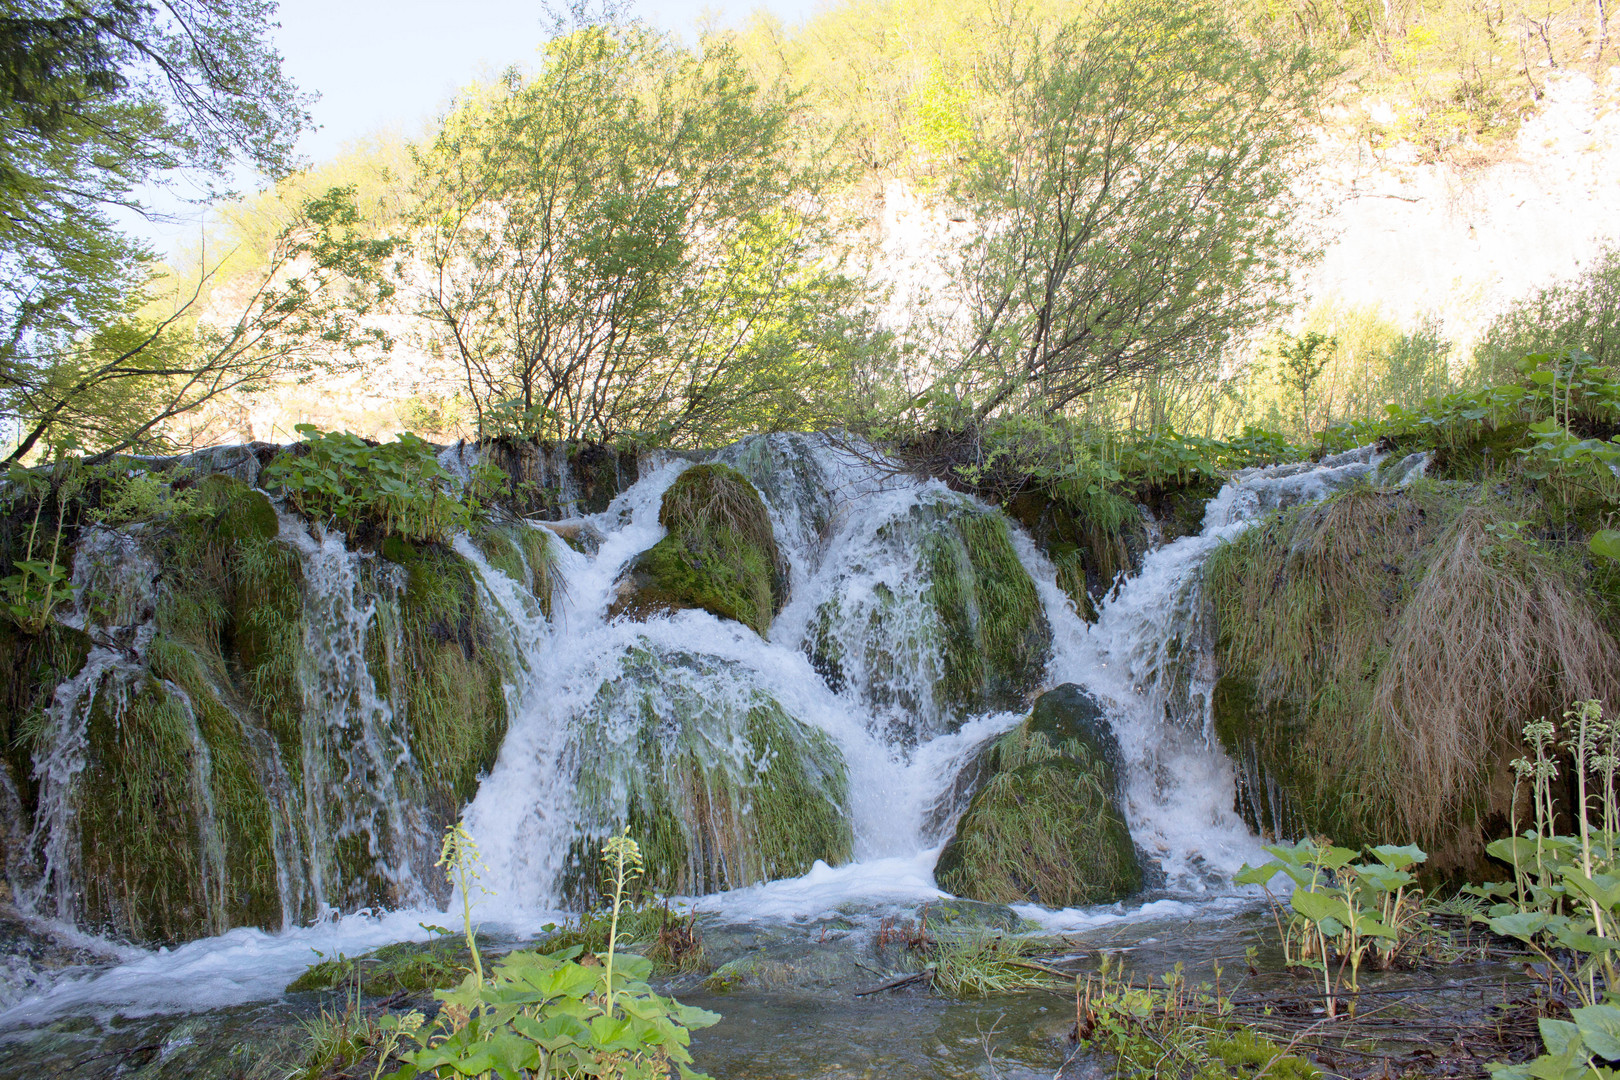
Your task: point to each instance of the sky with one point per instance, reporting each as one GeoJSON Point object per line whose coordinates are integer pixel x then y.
{"type": "Point", "coordinates": [391, 65]}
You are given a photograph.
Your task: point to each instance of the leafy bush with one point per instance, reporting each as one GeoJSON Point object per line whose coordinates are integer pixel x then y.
{"type": "Point", "coordinates": [397, 488]}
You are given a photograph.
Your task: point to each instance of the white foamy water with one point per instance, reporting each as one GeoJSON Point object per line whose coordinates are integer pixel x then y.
{"type": "Point", "coordinates": [848, 523]}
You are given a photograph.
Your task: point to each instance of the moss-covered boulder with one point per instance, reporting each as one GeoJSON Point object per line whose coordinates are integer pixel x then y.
{"type": "Point", "coordinates": [720, 553]}
{"type": "Point", "coordinates": [1044, 827]}
{"type": "Point", "coordinates": [721, 785]}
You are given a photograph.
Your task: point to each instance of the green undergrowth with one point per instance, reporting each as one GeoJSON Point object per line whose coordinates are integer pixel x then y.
{"type": "Point", "coordinates": [721, 784]}
{"type": "Point", "coordinates": [1177, 1030]}
{"type": "Point", "coordinates": [1043, 829]}
{"type": "Point", "coordinates": [407, 966]}
{"type": "Point", "coordinates": [1380, 651]}
{"type": "Point", "coordinates": [720, 553]}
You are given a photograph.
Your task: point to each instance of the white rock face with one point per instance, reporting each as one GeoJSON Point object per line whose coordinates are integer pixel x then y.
{"type": "Point", "coordinates": [1414, 238]}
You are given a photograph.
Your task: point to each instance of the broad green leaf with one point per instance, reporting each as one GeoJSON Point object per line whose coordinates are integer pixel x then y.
{"type": "Point", "coordinates": [1604, 889]}
{"type": "Point", "coordinates": [1257, 875]}
{"type": "Point", "coordinates": [1317, 906]}
{"type": "Point", "coordinates": [1399, 858]}
{"type": "Point", "coordinates": [1558, 1035]}
{"type": "Point", "coordinates": [1606, 543]}
{"type": "Point", "coordinates": [1599, 1026]}
{"type": "Point", "coordinates": [1524, 926]}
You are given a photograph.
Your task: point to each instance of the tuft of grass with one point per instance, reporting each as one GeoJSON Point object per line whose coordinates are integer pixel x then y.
{"type": "Point", "coordinates": [982, 963]}
{"type": "Point", "coordinates": [1381, 651]}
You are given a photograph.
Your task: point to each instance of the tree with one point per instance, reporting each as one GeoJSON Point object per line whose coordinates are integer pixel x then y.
{"type": "Point", "coordinates": [1132, 177]}
{"type": "Point", "coordinates": [118, 387]}
{"type": "Point", "coordinates": [98, 97]}
{"type": "Point", "coordinates": [1300, 362]}
{"type": "Point", "coordinates": [619, 247]}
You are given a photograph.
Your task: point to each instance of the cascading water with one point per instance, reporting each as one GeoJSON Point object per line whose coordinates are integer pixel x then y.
{"type": "Point", "coordinates": [606, 715]}
{"type": "Point", "coordinates": [360, 782]}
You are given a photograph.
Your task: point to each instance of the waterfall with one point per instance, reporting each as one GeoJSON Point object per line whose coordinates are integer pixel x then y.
{"type": "Point", "coordinates": [870, 698]}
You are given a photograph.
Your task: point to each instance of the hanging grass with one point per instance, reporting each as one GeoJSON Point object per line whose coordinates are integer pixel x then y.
{"type": "Point", "coordinates": [1381, 651]}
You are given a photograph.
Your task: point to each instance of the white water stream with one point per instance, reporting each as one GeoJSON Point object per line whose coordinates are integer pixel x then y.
{"type": "Point", "coordinates": [846, 521]}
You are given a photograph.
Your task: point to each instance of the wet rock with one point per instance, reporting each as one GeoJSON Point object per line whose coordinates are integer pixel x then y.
{"type": "Point", "coordinates": [1045, 826]}
{"type": "Point", "coordinates": [720, 554]}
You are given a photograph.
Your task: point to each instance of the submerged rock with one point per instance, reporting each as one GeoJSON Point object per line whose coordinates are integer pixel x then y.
{"type": "Point", "coordinates": [1045, 827]}
{"type": "Point", "coordinates": [720, 554]}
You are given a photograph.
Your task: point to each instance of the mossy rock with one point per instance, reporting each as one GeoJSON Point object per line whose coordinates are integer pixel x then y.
{"type": "Point", "coordinates": [720, 554]}
{"type": "Point", "coordinates": [411, 967]}
{"type": "Point", "coordinates": [1044, 828]}
{"type": "Point", "coordinates": [996, 634]}
{"type": "Point", "coordinates": [1067, 712]}
{"type": "Point", "coordinates": [721, 786]}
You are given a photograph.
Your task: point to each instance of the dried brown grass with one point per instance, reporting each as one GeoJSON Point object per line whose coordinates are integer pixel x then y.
{"type": "Point", "coordinates": [1494, 635]}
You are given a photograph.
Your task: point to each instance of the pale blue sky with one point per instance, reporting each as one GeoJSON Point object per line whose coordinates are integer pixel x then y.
{"type": "Point", "coordinates": [392, 64]}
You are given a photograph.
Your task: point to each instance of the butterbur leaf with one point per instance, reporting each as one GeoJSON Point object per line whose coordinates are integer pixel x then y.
{"type": "Point", "coordinates": [1316, 906]}
{"type": "Point", "coordinates": [1524, 925]}
{"type": "Point", "coordinates": [1257, 875]}
{"type": "Point", "coordinates": [1599, 1026]}
{"type": "Point", "coordinates": [1399, 858]}
{"type": "Point", "coordinates": [694, 1017]}
{"type": "Point", "coordinates": [1558, 1035]}
{"type": "Point", "coordinates": [1373, 928]}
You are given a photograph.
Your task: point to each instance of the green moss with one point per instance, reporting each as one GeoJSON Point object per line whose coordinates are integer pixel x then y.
{"type": "Point", "coordinates": [521, 552]}
{"type": "Point", "coordinates": [719, 784]}
{"type": "Point", "coordinates": [141, 825]}
{"type": "Point", "coordinates": [720, 554]}
{"type": "Point", "coordinates": [407, 966]}
{"type": "Point", "coordinates": [1043, 829]}
{"type": "Point", "coordinates": [995, 632]}
{"type": "Point", "coordinates": [437, 663]}
{"type": "Point", "coordinates": [238, 792]}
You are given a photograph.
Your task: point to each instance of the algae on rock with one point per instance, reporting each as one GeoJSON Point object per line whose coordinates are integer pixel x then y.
{"type": "Point", "coordinates": [720, 554]}
{"type": "Point", "coordinates": [1044, 826]}
{"type": "Point", "coordinates": [720, 784]}
{"type": "Point", "coordinates": [959, 631]}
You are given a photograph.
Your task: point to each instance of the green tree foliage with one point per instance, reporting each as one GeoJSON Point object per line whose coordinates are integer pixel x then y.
{"type": "Point", "coordinates": [98, 98]}
{"type": "Point", "coordinates": [618, 247]}
{"type": "Point", "coordinates": [118, 385]}
{"type": "Point", "coordinates": [1580, 312]}
{"type": "Point", "coordinates": [1133, 179]}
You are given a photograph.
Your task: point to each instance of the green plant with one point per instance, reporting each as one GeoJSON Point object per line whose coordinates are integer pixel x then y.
{"type": "Point", "coordinates": [1339, 905]}
{"type": "Point", "coordinates": [459, 856]}
{"type": "Point", "coordinates": [1564, 901]}
{"type": "Point", "coordinates": [549, 1016]}
{"type": "Point", "coordinates": [1175, 1030]}
{"type": "Point", "coordinates": [398, 488]}
{"type": "Point", "coordinates": [38, 586]}
{"type": "Point", "coordinates": [982, 962]}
